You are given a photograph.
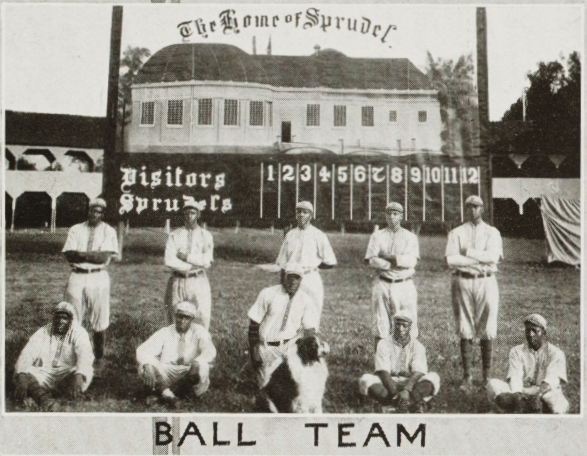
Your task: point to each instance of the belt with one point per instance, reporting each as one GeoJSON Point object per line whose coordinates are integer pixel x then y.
{"type": "Point", "coordinates": [188, 274]}
{"type": "Point", "coordinates": [86, 271]}
{"type": "Point", "coordinates": [278, 343]}
{"type": "Point", "coordinates": [466, 275]}
{"type": "Point", "coordinates": [385, 279]}
{"type": "Point", "coordinates": [310, 270]}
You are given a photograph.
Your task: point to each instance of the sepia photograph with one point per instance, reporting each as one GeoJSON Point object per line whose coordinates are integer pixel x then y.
{"type": "Point", "coordinates": [219, 217]}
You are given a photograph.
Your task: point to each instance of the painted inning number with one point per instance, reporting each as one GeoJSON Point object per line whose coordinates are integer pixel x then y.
{"type": "Point", "coordinates": [416, 175]}
{"type": "Point", "coordinates": [448, 173]}
{"type": "Point", "coordinates": [360, 174]}
{"type": "Point", "coordinates": [432, 175]}
{"type": "Point", "coordinates": [270, 173]}
{"type": "Point", "coordinates": [324, 174]}
{"type": "Point", "coordinates": [288, 173]}
{"type": "Point", "coordinates": [397, 175]}
{"type": "Point", "coordinates": [342, 173]}
{"type": "Point", "coordinates": [306, 173]}
{"type": "Point", "coordinates": [378, 174]}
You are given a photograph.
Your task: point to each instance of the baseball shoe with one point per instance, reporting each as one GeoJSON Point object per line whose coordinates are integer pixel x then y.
{"type": "Point", "coordinates": [420, 407]}
{"type": "Point", "coordinates": [535, 404]}
{"type": "Point", "coordinates": [467, 384]}
{"type": "Point", "coordinates": [151, 400]}
{"type": "Point", "coordinates": [403, 405]}
{"type": "Point", "coordinates": [48, 404]}
{"type": "Point", "coordinates": [388, 409]}
{"type": "Point", "coordinates": [169, 398]}
{"type": "Point", "coordinates": [99, 367]}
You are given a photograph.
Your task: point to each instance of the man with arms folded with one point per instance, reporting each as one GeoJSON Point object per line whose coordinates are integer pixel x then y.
{"type": "Point", "coordinates": [535, 373]}
{"type": "Point", "coordinates": [188, 253]}
{"type": "Point", "coordinates": [401, 381]}
{"type": "Point", "coordinates": [393, 252]}
{"type": "Point", "coordinates": [88, 249]}
{"type": "Point", "coordinates": [308, 247]}
{"type": "Point", "coordinates": [57, 359]}
{"type": "Point", "coordinates": [280, 313]}
{"type": "Point", "coordinates": [178, 356]}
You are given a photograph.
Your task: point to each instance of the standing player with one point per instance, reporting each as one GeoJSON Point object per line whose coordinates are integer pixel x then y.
{"type": "Point", "coordinates": [88, 249]}
{"type": "Point", "coordinates": [472, 253]}
{"type": "Point", "coordinates": [308, 247]}
{"type": "Point", "coordinates": [393, 252]}
{"type": "Point", "coordinates": [188, 253]}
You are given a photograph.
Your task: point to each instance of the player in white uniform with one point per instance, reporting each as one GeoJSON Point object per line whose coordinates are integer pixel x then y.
{"type": "Point", "coordinates": [178, 356]}
{"type": "Point", "coordinates": [280, 314]}
{"type": "Point", "coordinates": [188, 253]}
{"type": "Point", "coordinates": [393, 252]}
{"type": "Point", "coordinates": [472, 253]}
{"type": "Point", "coordinates": [536, 371]}
{"type": "Point", "coordinates": [309, 247]}
{"type": "Point", "coordinates": [57, 359]}
{"type": "Point", "coordinates": [88, 249]}
{"type": "Point", "coordinates": [401, 378]}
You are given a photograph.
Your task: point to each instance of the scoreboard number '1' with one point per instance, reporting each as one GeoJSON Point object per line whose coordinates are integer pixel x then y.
{"type": "Point", "coordinates": [431, 175]}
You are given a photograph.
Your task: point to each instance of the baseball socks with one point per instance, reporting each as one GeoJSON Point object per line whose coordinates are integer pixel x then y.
{"type": "Point", "coordinates": [467, 357]}
{"type": "Point", "coordinates": [486, 351]}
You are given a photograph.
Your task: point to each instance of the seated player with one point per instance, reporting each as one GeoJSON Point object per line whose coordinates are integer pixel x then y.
{"type": "Point", "coordinates": [178, 356]}
{"type": "Point", "coordinates": [401, 378]}
{"type": "Point", "coordinates": [535, 373]}
{"type": "Point", "coordinates": [56, 360]}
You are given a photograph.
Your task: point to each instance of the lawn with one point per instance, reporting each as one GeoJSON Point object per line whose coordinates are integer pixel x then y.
{"type": "Point", "coordinates": [36, 274]}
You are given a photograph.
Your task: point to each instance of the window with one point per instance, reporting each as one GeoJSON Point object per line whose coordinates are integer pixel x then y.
{"type": "Point", "coordinates": [270, 113]}
{"type": "Point", "coordinates": [256, 114]}
{"type": "Point", "coordinates": [313, 115]}
{"type": "Point", "coordinates": [393, 116]}
{"type": "Point", "coordinates": [367, 116]}
{"type": "Point", "coordinates": [340, 116]}
{"type": "Point", "coordinates": [148, 113]}
{"type": "Point", "coordinates": [205, 111]}
{"type": "Point", "coordinates": [174, 112]}
{"type": "Point", "coordinates": [422, 116]}
{"type": "Point", "coordinates": [230, 112]}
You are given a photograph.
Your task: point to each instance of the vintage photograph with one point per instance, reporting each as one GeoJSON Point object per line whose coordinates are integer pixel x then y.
{"type": "Point", "coordinates": [313, 209]}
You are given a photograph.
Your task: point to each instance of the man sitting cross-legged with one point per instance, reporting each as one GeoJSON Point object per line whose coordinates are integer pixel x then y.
{"type": "Point", "coordinates": [178, 356]}
{"type": "Point", "coordinates": [401, 378]}
{"type": "Point", "coordinates": [57, 359]}
{"type": "Point", "coordinates": [535, 373]}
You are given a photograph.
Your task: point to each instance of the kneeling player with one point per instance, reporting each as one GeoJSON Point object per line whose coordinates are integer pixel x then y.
{"type": "Point", "coordinates": [57, 359]}
{"type": "Point", "coordinates": [401, 378]}
{"type": "Point", "coordinates": [535, 374]}
{"type": "Point", "coordinates": [178, 356]}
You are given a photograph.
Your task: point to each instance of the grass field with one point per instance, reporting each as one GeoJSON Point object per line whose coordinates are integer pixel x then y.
{"type": "Point", "coordinates": [36, 274]}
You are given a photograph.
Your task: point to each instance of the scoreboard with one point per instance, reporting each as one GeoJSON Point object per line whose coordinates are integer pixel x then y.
{"type": "Point", "coordinates": [265, 188]}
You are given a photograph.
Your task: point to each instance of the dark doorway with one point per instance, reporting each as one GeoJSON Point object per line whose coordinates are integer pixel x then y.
{"type": "Point", "coordinates": [72, 208]}
{"type": "Point", "coordinates": [33, 210]}
{"type": "Point", "coordinates": [286, 132]}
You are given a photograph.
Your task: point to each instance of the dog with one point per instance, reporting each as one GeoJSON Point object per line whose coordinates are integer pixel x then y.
{"type": "Point", "coordinates": [297, 385]}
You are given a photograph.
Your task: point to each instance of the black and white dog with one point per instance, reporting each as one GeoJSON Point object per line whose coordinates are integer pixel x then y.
{"type": "Point", "coordinates": [297, 385]}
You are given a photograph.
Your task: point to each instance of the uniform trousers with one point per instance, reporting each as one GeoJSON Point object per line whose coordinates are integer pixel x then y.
{"type": "Point", "coordinates": [313, 287]}
{"type": "Point", "coordinates": [193, 289]}
{"type": "Point", "coordinates": [172, 375]}
{"type": "Point", "coordinates": [51, 378]}
{"type": "Point", "coordinates": [555, 398]}
{"type": "Point", "coordinates": [90, 295]}
{"type": "Point", "coordinates": [475, 304]}
{"type": "Point", "coordinates": [271, 358]}
{"type": "Point", "coordinates": [368, 380]}
{"type": "Point", "coordinates": [387, 298]}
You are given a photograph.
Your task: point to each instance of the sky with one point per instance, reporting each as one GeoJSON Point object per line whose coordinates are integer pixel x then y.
{"type": "Point", "coordinates": [55, 57]}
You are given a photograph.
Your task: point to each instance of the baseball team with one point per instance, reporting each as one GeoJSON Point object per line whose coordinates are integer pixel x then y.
{"type": "Point", "coordinates": [63, 356]}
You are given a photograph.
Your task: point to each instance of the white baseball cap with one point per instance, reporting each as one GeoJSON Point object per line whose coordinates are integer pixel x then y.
{"type": "Point", "coordinates": [187, 308]}
{"type": "Point", "coordinates": [294, 268]}
{"type": "Point", "coordinates": [98, 202]}
{"type": "Point", "coordinates": [474, 200]}
{"type": "Point", "coordinates": [403, 314]}
{"type": "Point", "coordinates": [193, 204]}
{"type": "Point", "coordinates": [536, 319]}
{"type": "Point", "coordinates": [305, 205]}
{"type": "Point", "coordinates": [394, 207]}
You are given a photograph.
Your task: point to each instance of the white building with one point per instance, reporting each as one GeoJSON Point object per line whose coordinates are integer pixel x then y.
{"type": "Point", "coordinates": [216, 98]}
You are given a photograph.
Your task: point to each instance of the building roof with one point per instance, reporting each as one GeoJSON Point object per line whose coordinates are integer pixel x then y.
{"type": "Point", "coordinates": [60, 130]}
{"type": "Point", "coordinates": [328, 68]}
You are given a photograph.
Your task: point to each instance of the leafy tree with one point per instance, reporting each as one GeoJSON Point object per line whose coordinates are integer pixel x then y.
{"type": "Point", "coordinates": [553, 108]}
{"type": "Point", "coordinates": [132, 61]}
{"type": "Point", "coordinates": [22, 164]}
{"type": "Point", "coordinates": [457, 95]}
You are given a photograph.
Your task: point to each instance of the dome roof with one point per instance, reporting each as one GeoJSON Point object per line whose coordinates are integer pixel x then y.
{"type": "Point", "coordinates": [328, 68]}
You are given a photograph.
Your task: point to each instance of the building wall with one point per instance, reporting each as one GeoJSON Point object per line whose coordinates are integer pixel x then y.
{"type": "Point", "coordinates": [288, 105]}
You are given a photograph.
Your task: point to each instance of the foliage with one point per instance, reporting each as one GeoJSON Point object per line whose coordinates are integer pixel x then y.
{"type": "Point", "coordinates": [553, 108]}
{"type": "Point", "coordinates": [54, 166]}
{"type": "Point", "coordinates": [22, 164]}
{"type": "Point", "coordinates": [130, 64]}
{"type": "Point", "coordinates": [457, 95]}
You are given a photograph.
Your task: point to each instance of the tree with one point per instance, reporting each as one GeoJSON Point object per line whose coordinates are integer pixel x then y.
{"type": "Point", "coordinates": [458, 103]}
{"type": "Point", "coordinates": [553, 108]}
{"type": "Point", "coordinates": [132, 61]}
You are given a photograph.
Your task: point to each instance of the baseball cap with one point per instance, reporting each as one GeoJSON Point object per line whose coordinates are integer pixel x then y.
{"type": "Point", "coordinates": [192, 204]}
{"type": "Point", "coordinates": [474, 200]}
{"type": "Point", "coordinates": [98, 202]}
{"type": "Point", "coordinates": [186, 308]}
{"type": "Point", "coordinates": [536, 319]}
{"type": "Point", "coordinates": [394, 207]}
{"type": "Point", "coordinates": [294, 268]}
{"type": "Point", "coordinates": [64, 308]}
{"type": "Point", "coordinates": [305, 205]}
{"type": "Point", "coordinates": [403, 314]}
